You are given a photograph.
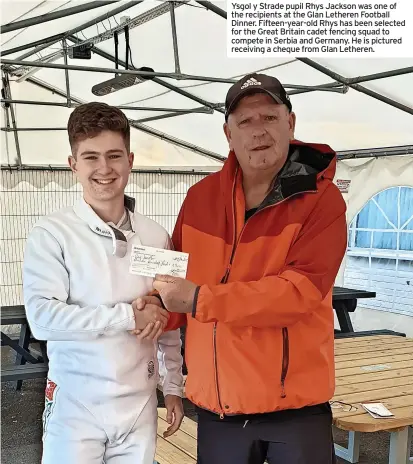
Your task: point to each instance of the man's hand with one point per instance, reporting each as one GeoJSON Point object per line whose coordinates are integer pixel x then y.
{"type": "Point", "coordinates": [150, 317]}
{"type": "Point", "coordinates": [174, 414]}
{"type": "Point", "coordinates": [177, 294]}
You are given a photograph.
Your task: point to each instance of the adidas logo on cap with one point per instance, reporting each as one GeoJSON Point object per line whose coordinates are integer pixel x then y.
{"type": "Point", "coordinates": [251, 81]}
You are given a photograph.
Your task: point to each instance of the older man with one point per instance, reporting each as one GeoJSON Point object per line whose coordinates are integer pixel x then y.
{"type": "Point", "coordinates": [266, 236]}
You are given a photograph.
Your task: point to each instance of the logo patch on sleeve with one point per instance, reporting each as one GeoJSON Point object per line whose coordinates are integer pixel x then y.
{"type": "Point", "coordinates": [151, 369]}
{"type": "Point", "coordinates": [50, 389]}
{"type": "Point", "coordinates": [49, 403]}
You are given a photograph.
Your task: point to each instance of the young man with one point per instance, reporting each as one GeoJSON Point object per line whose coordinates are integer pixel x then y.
{"type": "Point", "coordinates": [101, 402]}
{"type": "Point", "coordinates": [266, 236]}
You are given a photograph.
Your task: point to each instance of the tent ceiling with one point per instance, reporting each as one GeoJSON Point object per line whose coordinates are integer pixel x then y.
{"type": "Point", "coordinates": [347, 119]}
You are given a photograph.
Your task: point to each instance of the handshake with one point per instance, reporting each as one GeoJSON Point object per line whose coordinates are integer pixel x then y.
{"type": "Point", "coordinates": [150, 317]}
{"type": "Point", "coordinates": [176, 294]}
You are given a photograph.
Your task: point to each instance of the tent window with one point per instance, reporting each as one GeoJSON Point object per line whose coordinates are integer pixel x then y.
{"type": "Point", "coordinates": [380, 251]}
{"type": "Point", "coordinates": [385, 222]}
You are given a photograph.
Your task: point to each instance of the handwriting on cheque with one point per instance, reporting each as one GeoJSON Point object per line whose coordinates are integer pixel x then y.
{"type": "Point", "coordinates": [148, 261]}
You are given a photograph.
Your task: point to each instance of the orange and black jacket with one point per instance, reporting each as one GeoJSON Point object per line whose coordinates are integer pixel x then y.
{"type": "Point", "coordinates": [261, 334]}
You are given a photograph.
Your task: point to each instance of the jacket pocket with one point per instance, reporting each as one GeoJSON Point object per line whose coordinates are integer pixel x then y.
{"type": "Point", "coordinates": [285, 360]}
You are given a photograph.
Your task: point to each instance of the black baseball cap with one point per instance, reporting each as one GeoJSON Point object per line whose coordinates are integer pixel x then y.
{"type": "Point", "coordinates": [253, 83]}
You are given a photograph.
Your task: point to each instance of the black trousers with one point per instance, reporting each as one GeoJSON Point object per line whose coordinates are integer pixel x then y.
{"type": "Point", "coordinates": [289, 437]}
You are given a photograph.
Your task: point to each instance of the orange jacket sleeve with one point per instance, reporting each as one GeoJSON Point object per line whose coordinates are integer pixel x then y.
{"type": "Point", "coordinates": [175, 321]}
{"type": "Point", "coordinates": [177, 232]}
{"type": "Point", "coordinates": [281, 300]}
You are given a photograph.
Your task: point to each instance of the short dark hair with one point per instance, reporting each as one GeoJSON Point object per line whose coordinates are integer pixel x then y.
{"type": "Point", "coordinates": [90, 119]}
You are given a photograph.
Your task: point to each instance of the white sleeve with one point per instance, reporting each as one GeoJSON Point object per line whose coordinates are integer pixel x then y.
{"type": "Point", "coordinates": [46, 291]}
{"type": "Point", "coordinates": [170, 363]}
{"type": "Point", "coordinates": [169, 355]}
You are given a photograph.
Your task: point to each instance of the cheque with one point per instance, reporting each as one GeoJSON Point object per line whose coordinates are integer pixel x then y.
{"type": "Point", "coordinates": [149, 261]}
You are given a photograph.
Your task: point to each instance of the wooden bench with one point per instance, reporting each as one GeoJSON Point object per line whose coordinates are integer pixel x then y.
{"type": "Point", "coordinates": [24, 372]}
{"type": "Point", "coordinates": [380, 369]}
{"type": "Point", "coordinates": [181, 447]}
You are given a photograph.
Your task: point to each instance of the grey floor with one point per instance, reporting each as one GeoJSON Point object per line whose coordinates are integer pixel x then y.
{"type": "Point", "coordinates": [21, 426]}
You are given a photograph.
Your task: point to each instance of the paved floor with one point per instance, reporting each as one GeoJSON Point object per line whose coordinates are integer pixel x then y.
{"type": "Point", "coordinates": [21, 426]}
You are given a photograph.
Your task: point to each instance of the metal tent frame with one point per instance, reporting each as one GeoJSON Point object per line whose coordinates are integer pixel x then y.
{"type": "Point", "coordinates": [19, 65]}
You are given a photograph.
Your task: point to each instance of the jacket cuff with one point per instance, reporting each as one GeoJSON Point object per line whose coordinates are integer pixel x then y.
{"type": "Point", "coordinates": [173, 390]}
{"type": "Point", "coordinates": [194, 304]}
{"type": "Point", "coordinates": [160, 299]}
{"type": "Point", "coordinates": [132, 322]}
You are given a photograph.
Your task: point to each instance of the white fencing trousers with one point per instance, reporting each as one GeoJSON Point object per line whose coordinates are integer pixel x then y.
{"type": "Point", "coordinates": [72, 435]}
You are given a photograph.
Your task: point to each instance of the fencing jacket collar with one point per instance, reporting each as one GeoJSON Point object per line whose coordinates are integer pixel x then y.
{"type": "Point", "coordinates": [119, 240]}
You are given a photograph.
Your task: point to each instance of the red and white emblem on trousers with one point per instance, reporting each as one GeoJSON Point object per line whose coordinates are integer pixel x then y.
{"type": "Point", "coordinates": [50, 388]}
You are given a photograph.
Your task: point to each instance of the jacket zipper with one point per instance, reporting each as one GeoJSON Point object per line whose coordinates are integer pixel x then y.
{"type": "Point", "coordinates": [224, 280]}
{"type": "Point", "coordinates": [221, 415]}
{"type": "Point", "coordinates": [285, 360]}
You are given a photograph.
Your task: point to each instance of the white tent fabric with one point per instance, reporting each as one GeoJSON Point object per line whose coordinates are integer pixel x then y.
{"type": "Point", "coordinates": [52, 147]}
{"type": "Point", "coordinates": [386, 172]}
{"type": "Point", "coordinates": [347, 121]}
{"type": "Point", "coordinates": [367, 177]}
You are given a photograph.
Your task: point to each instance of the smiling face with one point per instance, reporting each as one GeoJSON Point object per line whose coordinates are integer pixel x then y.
{"type": "Point", "coordinates": [102, 164]}
{"type": "Point", "coordinates": [259, 132]}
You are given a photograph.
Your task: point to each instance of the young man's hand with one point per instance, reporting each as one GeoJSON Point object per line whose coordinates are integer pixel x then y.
{"type": "Point", "coordinates": [174, 414]}
{"type": "Point", "coordinates": [150, 317]}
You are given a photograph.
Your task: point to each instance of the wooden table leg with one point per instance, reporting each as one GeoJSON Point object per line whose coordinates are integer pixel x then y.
{"type": "Point", "coordinates": [24, 341]}
{"type": "Point", "coordinates": [399, 447]}
{"type": "Point", "coordinates": [352, 452]}
{"type": "Point", "coordinates": [342, 308]}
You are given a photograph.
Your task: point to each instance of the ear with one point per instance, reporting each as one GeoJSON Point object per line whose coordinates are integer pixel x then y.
{"type": "Point", "coordinates": [72, 163]}
{"type": "Point", "coordinates": [227, 133]}
{"type": "Point", "coordinates": [131, 157]}
{"type": "Point", "coordinates": [292, 122]}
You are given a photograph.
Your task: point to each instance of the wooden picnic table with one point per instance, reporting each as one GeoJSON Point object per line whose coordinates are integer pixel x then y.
{"type": "Point", "coordinates": [29, 363]}
{"type": "Point", "coordinates": [379, 369]}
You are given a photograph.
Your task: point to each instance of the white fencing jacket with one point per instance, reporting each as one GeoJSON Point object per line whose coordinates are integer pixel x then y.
{"type": "Point", "coordinates": [78, 293]}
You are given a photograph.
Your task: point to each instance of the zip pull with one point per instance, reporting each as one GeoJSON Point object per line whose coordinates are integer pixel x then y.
{"type": "Point", "coordinates": [224, 279]}
{"type": "Point", "coordinates": [245, 424]}
{"type": "Point", "coordinates": [221, 416]}
{"type": "Point", "coordinates": [283, 394]}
